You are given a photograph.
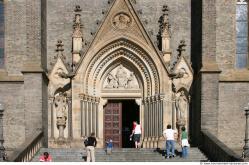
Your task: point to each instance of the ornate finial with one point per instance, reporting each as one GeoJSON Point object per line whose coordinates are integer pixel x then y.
{"type": "Point", "coordinates": [165, 9]}
{"type": "Point", "coordinates": [181, 48]}
{"type": "Point", "coordinates": [60, 49]}
{"type": "Point", "coordinates": [77, 23]}
{"type": "Point", "coordinates": [165, 26]}
{"type": "Point", "coordinates": [77, 8]}
{"type": "Point", "coordinates": [59, 46]}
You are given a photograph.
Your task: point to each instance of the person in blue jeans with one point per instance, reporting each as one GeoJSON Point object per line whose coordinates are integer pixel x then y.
{"type": "Point", "coordinates": [109, 146]}
{"type": "Point", "coordinates": [170, 135]}
{"type": "Point", "coordinates": [184, 143]}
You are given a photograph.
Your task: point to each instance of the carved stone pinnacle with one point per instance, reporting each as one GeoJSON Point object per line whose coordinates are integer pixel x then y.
{"type": "Point", "coordinates": [59, 46]}
{"type": "Point", "coordinates": [77, 8]}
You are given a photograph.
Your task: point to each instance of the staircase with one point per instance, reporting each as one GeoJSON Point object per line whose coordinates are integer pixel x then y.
{"type": "Point", "coordinates": [120, 155]}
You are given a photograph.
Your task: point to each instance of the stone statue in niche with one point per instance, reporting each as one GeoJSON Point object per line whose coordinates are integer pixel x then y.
{"type": "Point", "coordinates": [60, 103]}
{"type": "Point", "coordinates": [181, 108]}
{"type": "Point", "coordinates": [121, 76]}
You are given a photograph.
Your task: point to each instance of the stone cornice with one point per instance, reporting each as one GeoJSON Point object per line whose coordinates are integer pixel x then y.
{"type": "Point", "coordinates": [235, 76]}
{"type": "Point", "coordinates": [4, 77]}
{"type": "Point", "coordinates": [32, 68]}
{"type": "Point", "coordinates": [210, 67]}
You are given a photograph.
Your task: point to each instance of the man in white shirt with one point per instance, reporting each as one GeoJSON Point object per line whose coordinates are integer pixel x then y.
{"type": "Point", "coordinates": [170, 135]}
{"type": "Point", "coordinates": [137, 134]}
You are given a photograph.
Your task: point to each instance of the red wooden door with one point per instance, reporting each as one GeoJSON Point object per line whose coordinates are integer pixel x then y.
{"type": "Point", "coordinates": [113, 123]}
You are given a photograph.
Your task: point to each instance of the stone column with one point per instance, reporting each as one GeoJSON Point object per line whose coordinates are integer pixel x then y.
{"type": "Point", "coordinates": [52, 116]}
{"type": "Point", "coordinates": [70, 113]}
{"type": "Point", "coordinates": [82, 118]}
{"type": "Point", "coordinates": [246, 146]}
{"type": "Point", "coordinates": [145, 122]}
{"type": "Point", "coordinates": [2, 149]}
{"type": "Point", "coordinates": [86, 116]}
{"type": "Point", "coordinates": [97, 117]}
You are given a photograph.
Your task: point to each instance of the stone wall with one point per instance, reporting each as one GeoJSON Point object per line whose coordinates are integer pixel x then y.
{"type": "Point", "coordinates": [33, 102]}
{"type": "Point", "coordinates": [225, 34]}
{"type": "Point", "coordinates": [209, 102]}
{"type": "Point", "coordinates": [15, 35]}
{"type": "Point", "coordinates": [233, 97]}
{"type": "Point", "coordinates": [60, 20]}
{"type": "Point", "coordinates": [11, 94]}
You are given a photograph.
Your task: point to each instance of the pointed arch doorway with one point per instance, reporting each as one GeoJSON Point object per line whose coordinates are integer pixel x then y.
{"type": "Point", "coordinates": [118, 118]}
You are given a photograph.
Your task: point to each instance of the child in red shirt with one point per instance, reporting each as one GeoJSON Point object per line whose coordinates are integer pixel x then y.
{"type": "Point", "coordinates": [45, 157]}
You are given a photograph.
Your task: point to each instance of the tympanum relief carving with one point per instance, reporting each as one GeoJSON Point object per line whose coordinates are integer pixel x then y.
{"type": "Point", "coordinates": [122, 21]}
{"type": "Point", "coordinates": [121, 78]}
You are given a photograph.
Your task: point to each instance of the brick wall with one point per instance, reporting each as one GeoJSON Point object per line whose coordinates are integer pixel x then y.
{"type": "Point", "coordinates": [60, 20]}
{"type": "Point", "coordinates": [13, 121]}
{"type": "Point", "coordinates": [225, 34]}
{"type": "Point", "coordinates": [33, 102]}
{"type": "Point", "coordinates": [15, 35]}
{"type": "Point", "coordinates": [233, 97]}
{"type": "Point", "coordinates": [209, 102]}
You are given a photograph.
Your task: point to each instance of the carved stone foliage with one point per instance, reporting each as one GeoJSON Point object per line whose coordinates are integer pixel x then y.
{"type": "Point", "coordinates": [120, 78]}
{"type": "Point", "coordinates": [56, 79]}
{"type": "Point", "coordinates": [183, 75]}
{"type": "Point", "coordinates": [122, 20]}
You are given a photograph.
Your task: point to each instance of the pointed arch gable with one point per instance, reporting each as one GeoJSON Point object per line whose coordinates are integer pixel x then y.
{"type": "Point", "coordinates": [121, 49]}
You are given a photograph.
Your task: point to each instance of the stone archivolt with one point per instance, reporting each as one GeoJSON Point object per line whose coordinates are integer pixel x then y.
{"type": "Point", "coordinates": [131, 52]}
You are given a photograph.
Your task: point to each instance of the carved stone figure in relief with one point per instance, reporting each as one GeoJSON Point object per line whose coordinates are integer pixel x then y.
{"type": "Point", "coordinates": [58, 72]}
{"type": "Point", "coordinates": [131, 81]}
{"type": "Point", "coordinates": [60, 103]}
{"type": "Point", "coordinates": [181, 107]}
{"type": "Point", "coordinates": [121, 76]}
{"type": "Point", "coordinates": [112, 81]}
{"type": "Point", "coordinates": [122, 21]}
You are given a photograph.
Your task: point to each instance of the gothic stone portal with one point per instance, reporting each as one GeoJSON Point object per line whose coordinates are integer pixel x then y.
{"type": "Point", "coordinates": [121, 63]}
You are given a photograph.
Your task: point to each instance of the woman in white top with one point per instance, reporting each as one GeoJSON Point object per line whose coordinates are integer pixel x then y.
{"type": "Point", "coordinates": [137, 134]}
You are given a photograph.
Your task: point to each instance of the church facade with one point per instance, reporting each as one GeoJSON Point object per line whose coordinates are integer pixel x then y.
{"type": "Point", "coordinates": [76, 67]}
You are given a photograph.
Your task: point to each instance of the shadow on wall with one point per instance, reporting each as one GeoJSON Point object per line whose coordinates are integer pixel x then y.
{"type": "Point", "coordinates": [196, 60]}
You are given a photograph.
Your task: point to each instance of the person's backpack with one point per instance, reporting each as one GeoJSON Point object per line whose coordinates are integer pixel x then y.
{"type": "Point", "coordinates": [86, 142]}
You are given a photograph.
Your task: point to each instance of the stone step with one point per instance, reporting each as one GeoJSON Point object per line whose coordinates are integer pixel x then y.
{"type": "Point", "coordinates": [119, 155]}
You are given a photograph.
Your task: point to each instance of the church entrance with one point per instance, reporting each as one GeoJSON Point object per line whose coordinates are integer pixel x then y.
{"type": "Point", "coordinates": [118, 118]}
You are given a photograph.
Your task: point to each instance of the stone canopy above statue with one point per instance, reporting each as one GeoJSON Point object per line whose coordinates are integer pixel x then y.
{"type": "Point", "coordinates": [121, 78]}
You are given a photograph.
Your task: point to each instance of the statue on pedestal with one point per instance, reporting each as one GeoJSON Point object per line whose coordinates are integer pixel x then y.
{"type": "Point", "coordinates": [61, 104]}
{"type": "Point", "coordinates": [181, 108]}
